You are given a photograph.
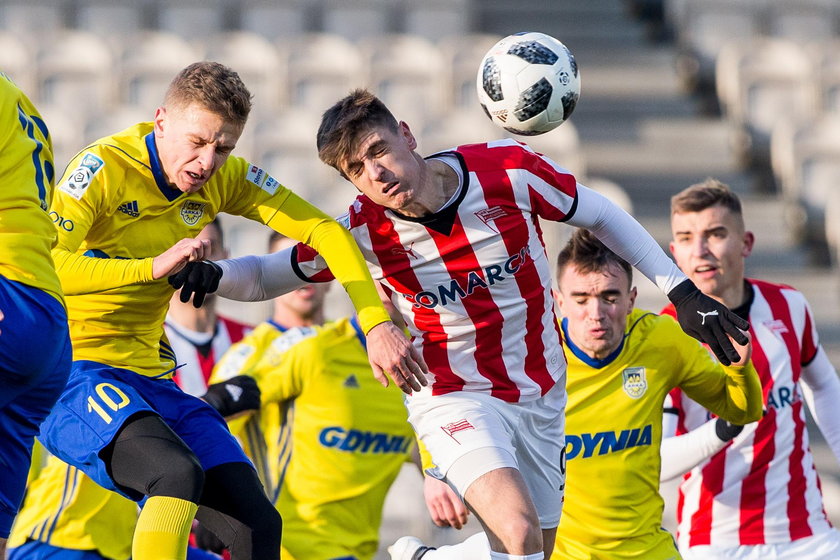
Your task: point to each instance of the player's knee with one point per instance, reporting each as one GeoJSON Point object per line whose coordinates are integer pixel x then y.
{"type": "Point", "coordinates": [521, 533]}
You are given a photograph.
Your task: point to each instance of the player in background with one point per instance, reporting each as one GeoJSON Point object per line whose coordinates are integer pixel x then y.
{"type": "Point", "coordinates": [34, 341]}
{"type": "Point", "coordinates": [295, 316]}
{"type": "Point", "coordinates": [65, 512]}
{"type": "Point", "coordinates": [131, 205]}
{"type": "Point", "coordinates": [622, 362]}
{"type": "Point", "coordinates": [455, 240]}
{"type": "Point", "coordinates": [757, 496]}
{"type": "Point", "coordinates": [342, 438]}
{"type": "Point", "coordinates": [200, 336]}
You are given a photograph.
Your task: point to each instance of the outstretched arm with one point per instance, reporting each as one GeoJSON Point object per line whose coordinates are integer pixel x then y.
{"type": "Point", "coordinates": [699, 315]}
{"type": "Point", "coordinates": [821, 391]}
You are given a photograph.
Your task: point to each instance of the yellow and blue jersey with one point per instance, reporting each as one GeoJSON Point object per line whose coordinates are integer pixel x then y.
{"type": "Point", "coordinates": [27, 234]}
{"type": "Point", "coordinates": [258, 354]}
{"type": "Point", "coordinates": [114, 212]}
{"type": "Point", "coordinates": [86, 517]}
{"type": "Point", "coordinates": [343, 440]}
{"type": "Point", "coordinates": [612, 507]}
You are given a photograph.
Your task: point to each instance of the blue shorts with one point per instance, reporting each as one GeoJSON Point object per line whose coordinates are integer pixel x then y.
{"type": "Point", "coordinates": [99, 399]}
{"type": "Point", "coordinates": [35, 358]}
{"type": "Point", "coordinates": [36, 550]}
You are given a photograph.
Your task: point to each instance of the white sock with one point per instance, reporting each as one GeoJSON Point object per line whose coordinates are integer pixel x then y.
{"type": "Point", "coordinates": [503, 556]}
{"type": "Point", "coordinates": [474, 548]}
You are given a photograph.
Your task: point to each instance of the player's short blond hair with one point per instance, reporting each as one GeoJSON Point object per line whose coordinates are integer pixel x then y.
{"type": "Point", "coordinates": [214, 87]}
{"type": "Point", "coordinates": [587, 254]}
{"type": "Point", "coordinates": [705, 194]}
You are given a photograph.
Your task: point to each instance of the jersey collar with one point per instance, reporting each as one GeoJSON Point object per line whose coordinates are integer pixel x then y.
{"type": "Point", "coordinates": [583, 356]}
{"type": "Point", "coordinates": [277, 325]}
{"type": "Point", "coordinates": [157, 170]}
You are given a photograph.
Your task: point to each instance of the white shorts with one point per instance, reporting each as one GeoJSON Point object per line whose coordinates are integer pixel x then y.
{"type": "Point", "coordinates": [470, 434]}
{"type": "Point", "coordinates": [822, 546]}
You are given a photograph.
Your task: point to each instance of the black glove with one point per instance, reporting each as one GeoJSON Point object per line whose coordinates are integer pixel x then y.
{"type": "Point", "coordinates": [708, 321]}
{"type": "Point", "coordinates": [233, 396]}
{"type": "Point", "coordinates": [199, 278]}
{"type": "Point", "coordinates": [207, 540]}
{"type": "Point", "coordinates": [726, 431]}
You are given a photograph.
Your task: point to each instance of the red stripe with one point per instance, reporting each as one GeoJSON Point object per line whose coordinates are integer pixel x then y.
{"type": "Point", "coordinates": [515, 234]}
{"type": "Point", "coordinates": [809, 345]}
{"type": "Point", "coordinates": [397, 270]}
{"type": "Point", "coordinates": [701, 520]}
{"type": "Point", "coordinates": [753, 487]}
{"type": "Point", "coordinates": [797, 507]}
{"type": "Point", "coordinates": [459, 257]}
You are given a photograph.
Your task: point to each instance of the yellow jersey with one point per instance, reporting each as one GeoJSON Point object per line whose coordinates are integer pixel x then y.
{"type": "Point", "coordinates": [612, 507]}
{"type": "Point", "coordinates": [87, 516]}
{"type": "Point", "coordinates": [343, 440]}
{"type": "Point", "coordinates": [114, 212]}
{"type": "Point", "coordinates": [258, 354]}
{"type": "Point", "coordinates": [27, 176]}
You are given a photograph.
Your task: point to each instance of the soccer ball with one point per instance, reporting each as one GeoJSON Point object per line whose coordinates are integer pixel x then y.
{"type": "Point", "coordinates": [528, 83]}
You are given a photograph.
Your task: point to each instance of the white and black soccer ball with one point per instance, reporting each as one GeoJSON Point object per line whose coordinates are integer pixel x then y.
{"type": "Point", "coordinates": [528, 83]}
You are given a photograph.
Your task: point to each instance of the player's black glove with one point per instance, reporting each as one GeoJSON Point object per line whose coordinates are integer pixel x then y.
{"type": "Point", "coordinates": [197, 279]}
{"type": "Point", "coordinates": [233, 396]}
{"type": "Point", "coordinates": [726, 431]}
{"type": "Point", "coordinates": [708, 321]}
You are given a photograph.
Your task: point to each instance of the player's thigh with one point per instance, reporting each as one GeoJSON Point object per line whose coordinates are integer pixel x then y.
{"type": "Point", "coordinates": [540, 453]}
{"type": "Point", "coordinates": [455, 428]}
{"type": "Point", "coordinates": [34, 342]}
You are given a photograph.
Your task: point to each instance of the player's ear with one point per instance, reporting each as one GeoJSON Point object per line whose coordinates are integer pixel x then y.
{"type": "Point", "coordinates": [749, 241]}
{"type": "Point", "coordinates": [633, 294]}
{"type": "Point", "coordinates": [405, 131]}
{"type": "Point", "coordinates": [160, 119]}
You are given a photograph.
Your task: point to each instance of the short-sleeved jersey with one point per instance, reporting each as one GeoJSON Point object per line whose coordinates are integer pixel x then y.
{"type": "Point", "coordinates": [761, 488]}
{"type": "Point", "coordinates": [114, 203]}
{"type": "Point", "coordinates": [27, 174]}
{"type": "Point", "coordinates": [344, 439]}
{"type": "Point", "coordinates": [66, 509]}
{"type": "Point", "coordinates": [612, 506]}
{"type": "Point", "coordinates": [259, 354]}
{"type": "Point", "coordinates": [196, 361]}
{"type": "Point", "coordinates": [472, 280]}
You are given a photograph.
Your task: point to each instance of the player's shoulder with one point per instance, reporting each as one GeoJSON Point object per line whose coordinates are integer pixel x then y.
{"type": "Point", "coordinates": [777, 295]}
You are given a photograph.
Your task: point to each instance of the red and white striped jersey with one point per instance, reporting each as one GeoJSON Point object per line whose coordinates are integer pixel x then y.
{"type": "Point", "coordinates": [762, 488]}
{"type": "Point", "coordinates": [198, 359]}
{"type": "Point", "coordinates": [472, 280]}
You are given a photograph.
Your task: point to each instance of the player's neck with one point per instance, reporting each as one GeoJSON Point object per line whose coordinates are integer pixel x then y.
{"type": "Point", "coordinates": [201, 320]}
{"type": "Point", "coordinates": [439, 184]}
{"type": "Point", "coordinates": [733, 297]}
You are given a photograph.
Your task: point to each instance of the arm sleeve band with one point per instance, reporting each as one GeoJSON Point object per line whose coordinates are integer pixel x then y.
{"type": "Point", "coordinates": [821, 391]}
{"type": "Point", "coordinates": [682, 453]}
{"type": "Point", "coordinates": [258, 277]}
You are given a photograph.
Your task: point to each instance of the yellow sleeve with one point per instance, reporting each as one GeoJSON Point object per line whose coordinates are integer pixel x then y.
{"type": "Point", "coordinates": [425, 457]}
{"type": "Point", "coordinates": [731, 392]}
{"type": "Point", "coordinates": [81, 274]}
{"type": "Point", "coordinates": [300, 220]}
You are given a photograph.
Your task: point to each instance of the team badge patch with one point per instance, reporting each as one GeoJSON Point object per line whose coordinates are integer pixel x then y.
{"type": "Point", "coordinates": [192, 211]}
{"type": "Point", "coordinates": [79, 179]}
{"type": "Point", "coordinates": [635, 383]}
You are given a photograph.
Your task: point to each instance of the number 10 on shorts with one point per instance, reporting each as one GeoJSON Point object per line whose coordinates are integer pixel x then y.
{"type": "Point", "coordinates": [111, 397]}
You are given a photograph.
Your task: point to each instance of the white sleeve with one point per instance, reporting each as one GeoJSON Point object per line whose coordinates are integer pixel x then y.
{"type": "Point", "coordinates": [821, 391]}
{"type": "Point", "coordinates": [259, 277]}
{"type": "Point", "coordinates": [619, 231]}
{"type": "Point", "coordinates": [682, 453]}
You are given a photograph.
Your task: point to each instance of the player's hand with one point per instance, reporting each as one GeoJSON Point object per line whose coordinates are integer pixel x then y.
{"type": "Point", "coordinates": [709, 321]}
{"type": "Point", "coordinates": [176, 257]}
{"type": "Point", "coordinates": [390, 351]}
{"type": "Point", "coordinates": [744, 350]}
{"type": "Point", "coordinates": [196, 279]}
{"type": "Point", "coordinates": [444, 505]}
{"type": "Point", "coordinates": [727, 431]}
{"type": "Point", "coordinates": [234, 396]}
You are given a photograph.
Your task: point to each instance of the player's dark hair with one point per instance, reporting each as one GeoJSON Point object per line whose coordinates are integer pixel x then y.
{"type": "Point", "coordinates": [215, 87]}
{"type": "Point", "coordinates": [587, 254]}
{"type": "Point", "coordinates": [706, 194]}
{"type": "Point", "coordinates": [343, 123]}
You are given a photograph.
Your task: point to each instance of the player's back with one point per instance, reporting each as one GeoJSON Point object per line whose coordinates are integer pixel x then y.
{"type": "Point", "coordinates": [27, 174]}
